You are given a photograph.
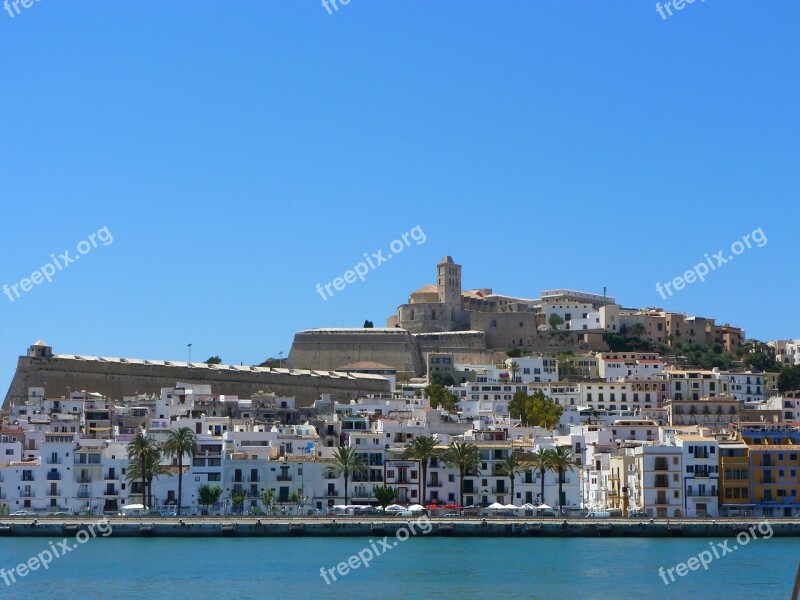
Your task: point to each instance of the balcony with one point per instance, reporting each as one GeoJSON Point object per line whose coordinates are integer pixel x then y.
{"type": "Point", "coordinates": [661, 482]}
{"type": "Point", "coordinates": [86, 479]}
{"type": "Point", "coordinates": [243, 479]}
{"type": "Point", "coordinates": [54, 477]}
{"type": "Point", "coordinates": [53, 492]}
{"type": "Point", "coordinates": [284, 477]}
{"type": "Point", "coordinates": [53, 461]}
{"type": "Point", "coordinates": [27, 494]}
{"type": "Point", "coordinates": [110, 492]}
{"type": "Point", "coordinates": [435, 484]}
{"type": "Point", "coordinates": [500, 491]}
{"type": "Point", "coordinates": [111, 476]}
{"type": "Point", "coordinates": [331, 494]}
{"type": "Point", "coordinates": [661, 465]}
{"type": "Point", "coordinates": [84, 496]}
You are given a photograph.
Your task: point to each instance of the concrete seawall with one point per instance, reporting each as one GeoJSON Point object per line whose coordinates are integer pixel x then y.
{"type": "Point", "coordinates": [353, 527]}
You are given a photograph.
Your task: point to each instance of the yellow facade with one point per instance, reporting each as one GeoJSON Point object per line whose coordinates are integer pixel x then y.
{"type": "Point", "coordinates": [774, 478]}
{"type": "Point", "coordinates": [734, 474]}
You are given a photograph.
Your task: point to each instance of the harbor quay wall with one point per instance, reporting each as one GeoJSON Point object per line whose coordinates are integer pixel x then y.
{"type": "Point", "coordinates": [58, 375]}
{"type": "Point", "coordinates": [359, 527]}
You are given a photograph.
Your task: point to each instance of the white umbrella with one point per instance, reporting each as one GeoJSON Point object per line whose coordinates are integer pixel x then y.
{"type": "Point", "coordinates": [416, 507]}
{"type": "Point", "coordinates": [528, 506]}
{"type": "Point", "coordinates": [133, 507]}
{"type": "Point", "coordinates": [511, 507]}
{"type": "Point", "coordinates": [395, 507]}
{"type": "Point", "coordinates": [496, 506]}
{"type": "Point", "coordinates": [544, 507]}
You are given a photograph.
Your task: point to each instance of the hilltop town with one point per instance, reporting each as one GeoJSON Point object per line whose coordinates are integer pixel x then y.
{"type": "Point", "coordinates": [466, 402]}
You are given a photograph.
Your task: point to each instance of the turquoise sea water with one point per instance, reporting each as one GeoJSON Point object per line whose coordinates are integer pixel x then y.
{"type": "Point", "coordinates": [420, 567]}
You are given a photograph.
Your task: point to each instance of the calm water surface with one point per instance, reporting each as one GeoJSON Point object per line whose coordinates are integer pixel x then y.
{"type": "Point", "coordinates": [421, 567]}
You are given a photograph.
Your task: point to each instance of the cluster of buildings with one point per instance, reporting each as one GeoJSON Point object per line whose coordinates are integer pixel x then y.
{"type": "Point", "coordinates": [647, 435]}
{"type": "Point", "coordinates": [509, 321]}
{"type": "Point", "coordinates": [646, 438]}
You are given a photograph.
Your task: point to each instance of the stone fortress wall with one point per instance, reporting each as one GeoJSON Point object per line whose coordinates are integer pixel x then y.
{"type": "Point", "coordinates": [115, 378]}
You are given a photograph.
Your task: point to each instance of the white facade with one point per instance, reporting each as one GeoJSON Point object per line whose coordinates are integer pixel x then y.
{"type": "Point", "coordinates": [787, 352]}
{"type": "Point", "coordinates": [631, 365]}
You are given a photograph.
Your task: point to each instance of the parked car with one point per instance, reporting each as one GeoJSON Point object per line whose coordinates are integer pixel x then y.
{"type": "Point", "coordinates": [452, 514]}
{"type": "Point", "coordinates": [168, 513]}
{"type": "Point", "coordinates": [23, 513]}
{"type": "Point", "coordinates": [258, 513]}
{"type": "Point", "coordinates": [637, 514]}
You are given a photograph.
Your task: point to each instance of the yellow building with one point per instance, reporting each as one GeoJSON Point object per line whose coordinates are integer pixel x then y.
{"type": "Point", "coordinates": [734, 478]}
{"type": "Point", "coordinates": [774, 481]}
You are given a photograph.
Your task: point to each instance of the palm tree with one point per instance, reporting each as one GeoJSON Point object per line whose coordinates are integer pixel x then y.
{"type": "Point", "coordinates": [147, 468]}
{"type": "Point", "coordinates": [137, 451]}
{"type": "Point", "coordinates": [562, 461]}
{"type": "Point", "coordinates": [180, 442]}
{"type": "Point", "coordinates": [511, 466]}
{"type": "Point", "coordinates": [347, 461]}
{"type": "Point", "coordinates": [268, 498]}
{"type": "Point", "coordinates": [542, 461]}
{"type": "Point", "coordinates": [514, 368]}
{"type": "Point", "coordinates": [423, 449]}
{"type": "Point", "coordinates": [464, 457]}
{"type": "Point", "coordinates": [638, 330]}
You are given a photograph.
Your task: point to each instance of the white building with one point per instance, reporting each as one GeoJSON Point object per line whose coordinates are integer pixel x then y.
{"type": "Point", "coordinates": [631, 365]}
{"type": "Point", "coordinates": [787, 352]}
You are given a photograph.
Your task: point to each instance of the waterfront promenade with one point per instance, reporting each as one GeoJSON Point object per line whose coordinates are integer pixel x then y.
{"type": "Point", "coordinates": [327, 526]}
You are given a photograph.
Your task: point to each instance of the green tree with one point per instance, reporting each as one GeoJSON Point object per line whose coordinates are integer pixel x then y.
{"type": "Point", "coordinates": [511, 466]}
{"type": "Point", "coordinates": [214, 360]}
{"type": "Point", "coordinates": [180, 442]}
{"type": "Point", "coordinates": [541, 411]}
{"type": "Point", "coordinates": [562, 461]}
{"type": "Point", "coordinates": [442, 379]}
{"type": "Point", "coordinates": [208, 495]}
{"type": "Point", "coordinates": [517, 406]}
{"type": "Point", "coordinates": [514, 353]}
{"type": "Point", "coordinates": [138, 449]}
{"type": "Point", "coordinates": [346, 462]}
{"type": "Point", "coordinates": [789, 379]}
{"type": "Point", "coordinates": [268, 499]}
{"type": "Point", "coordinates": [439, 396]}
{"type": "Point", "coordinates": [422, 448]}
{"type": "Point", "coordinates": [384, 494]}
{"type": "Point", "coordinates": [151, 462]}
{"type": "Point", "coordinates": [514, 368]}
{"type": "Point", "coordinates": [368, 324]}
{"type": "Point", "coordinates": [237, 500]}
{"type": "Point", "coordinates": [542, 461]}
{"type": "Point", "coordinates": [464, 457]}
{"type": "Point", "coordinates": [638, 330]}
{"type": "Point", "coordinates": [555, 321]}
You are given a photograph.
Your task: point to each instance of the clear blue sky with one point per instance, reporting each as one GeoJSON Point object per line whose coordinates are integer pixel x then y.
{"type": "Point", "coordinates": [241, 152]}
